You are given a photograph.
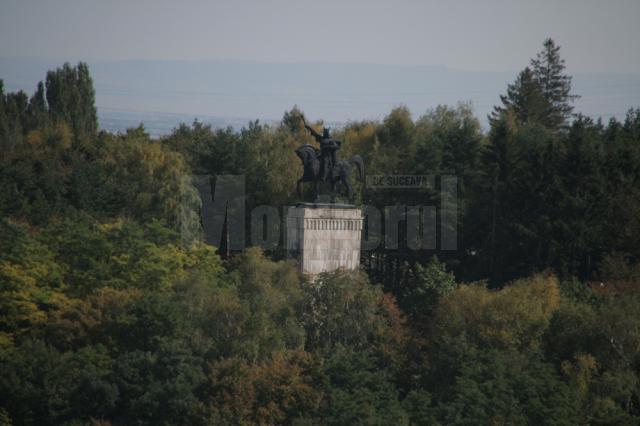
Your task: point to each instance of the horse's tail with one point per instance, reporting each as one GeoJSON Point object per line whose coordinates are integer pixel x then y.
{"type": "Point", "coordinates": [357, 160]}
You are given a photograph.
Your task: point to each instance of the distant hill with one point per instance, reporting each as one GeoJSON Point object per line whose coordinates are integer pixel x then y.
{"type": "Point", "coordinates": [164, 93]}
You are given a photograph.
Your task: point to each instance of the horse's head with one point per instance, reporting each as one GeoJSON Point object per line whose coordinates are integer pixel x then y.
{"type": "Point", "coordinates": [306, 153]}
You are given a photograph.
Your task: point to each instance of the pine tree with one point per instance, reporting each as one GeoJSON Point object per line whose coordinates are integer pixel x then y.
{"type": "Point", "coordinates": [525, 98]}
{"type": "Point", "coordinates": [548, 70]}
{"type": "Point", "coordinates": [541, 93]}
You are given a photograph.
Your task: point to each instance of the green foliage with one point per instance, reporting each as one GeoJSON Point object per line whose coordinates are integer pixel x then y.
{"type": "Point", "coordinates": [524, 99]}
{"type": "Point", "coordinates": [512, 319]}
{"type": "Point", "coordinates": [71, 99]}
{"type": "Point", "coordinates": [501, 388]}
{"type": "Point", "coordinates": [541, 94]}
{"type": "Point", "coordinates": [397, 141]}
{"type": "Point", "coordinates": [159, 386]}
{"type": "Point", "coordinates": [431, 284]}
{"type": "Point", "coordinates": [341, 309]}
{"type": "Point", "coordinates": [112, 311]}
{"type": "Point", "coordinates": [141, 179]}
{"type": "Point", "coordinates": [360, 391]}
{"type": "Point", "coordinates": [556, 87]}
{"type": "Point", "coordinates": [41, 385]}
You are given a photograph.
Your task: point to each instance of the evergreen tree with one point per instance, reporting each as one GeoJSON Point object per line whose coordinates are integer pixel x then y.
{"type": "Point", "coordinates": [525, 98]}
{"type": "Point", "coordinates": [541, 93]}
{"type": "Point", "coordinates": [548, 70]}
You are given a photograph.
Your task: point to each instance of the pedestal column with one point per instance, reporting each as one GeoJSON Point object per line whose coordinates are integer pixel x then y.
{"type": "Point", "coordinates": [324, 237]}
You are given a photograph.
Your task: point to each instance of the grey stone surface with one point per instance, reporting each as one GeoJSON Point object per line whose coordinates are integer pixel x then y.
{"type": "Point", "coordinates": [324, 237]}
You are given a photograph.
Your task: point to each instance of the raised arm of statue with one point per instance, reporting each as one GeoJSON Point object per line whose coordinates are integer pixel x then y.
{"type": "Point", "coordinates": [313, 132]}
{"type": "Point", "coordinates": [311, 129]}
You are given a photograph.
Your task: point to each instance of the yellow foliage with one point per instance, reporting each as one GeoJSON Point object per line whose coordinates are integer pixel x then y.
{"type": "Point", "coordinates": [107, 300]}
{"type": "Point", "coordinates": [518, 315]}
{"type": "Point", "coordinates": [266, 393]}
{"type": "Point", "coordinates": [59, 136]}
{"type": "Point", "coordinates": [581, 372]}
{"type": "Point", "coordinates": [34, 138]}
{"type": "Point", "coordinates": [461, 309]}
{"type": "Point", "coordinates": [20, 298]}
{"type": "Point", "coordinates": [514, 317]}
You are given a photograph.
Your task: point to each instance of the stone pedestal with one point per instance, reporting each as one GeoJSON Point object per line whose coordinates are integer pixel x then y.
{"type": "Point", "coordinates": [324, 237]}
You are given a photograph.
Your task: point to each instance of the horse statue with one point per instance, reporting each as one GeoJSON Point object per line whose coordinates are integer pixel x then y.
{"type": "Point", "coordinates": [310, 157]}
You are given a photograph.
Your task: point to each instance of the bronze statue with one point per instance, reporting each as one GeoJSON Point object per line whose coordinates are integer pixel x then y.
{"type": "Point", "coordinates": [328, 148]}
{"type": "Point", "coordinates": [321, 165]}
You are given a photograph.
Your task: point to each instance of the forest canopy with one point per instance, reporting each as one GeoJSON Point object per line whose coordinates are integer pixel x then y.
{"type": "Point", "coordinates": [107, 316]}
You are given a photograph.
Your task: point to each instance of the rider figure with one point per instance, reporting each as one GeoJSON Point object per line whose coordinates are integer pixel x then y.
{"type": "Point", "coordinates": [328, 148]}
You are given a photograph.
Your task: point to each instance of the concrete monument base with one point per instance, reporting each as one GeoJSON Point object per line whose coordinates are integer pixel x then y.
{"type": "Point", "coordinates": [324, 237]}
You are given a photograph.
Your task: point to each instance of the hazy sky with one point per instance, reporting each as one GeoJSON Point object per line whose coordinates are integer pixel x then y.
{"type": "Point", "coordinates": [476, 35]}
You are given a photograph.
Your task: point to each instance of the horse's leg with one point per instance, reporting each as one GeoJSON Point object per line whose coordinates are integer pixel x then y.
{"type": "Point", "coordinates": [349, 190]}
{"type": "Point", "coordinates": [334, 180]}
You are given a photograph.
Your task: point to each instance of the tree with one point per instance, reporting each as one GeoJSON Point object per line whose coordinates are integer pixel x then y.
{"type": "Point", "coordinates": [71, 98]}
{"type": "Point", "coordinates": [140, 178]}
{"type": "Point", "coordinates": [397, 142]}
{"type": "Point", "coordinates": [515, 389]}
{"type": "Point", "coordinates": [38, 113]}
{"type": "Point", "coordinates": [525, 98]}
{"type": "Point", "coordinates": [341, 309]}
{"type": "Point", "coordinates": [43, 386]}
{"type": "Point", "coordinates": [541, 93]}
{"type": "Point", "coordinates": [432, 283]}
{"type": "Point", "coordinates": [13, 107]}
{"type": "Point", "coordinates": [360, 391]}
{"type": "Point", "coordinates": [292, 120]}
{"type": "Point", "coordinates": [159, 386]}
{"type": "Point", "coordinates": [286, 387]}
{"type": "Point", "coordinates": [548, 70]}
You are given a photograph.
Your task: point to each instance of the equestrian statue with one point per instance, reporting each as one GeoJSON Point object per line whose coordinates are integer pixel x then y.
{"type": "Point", "coordinates": [321, 165]}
